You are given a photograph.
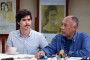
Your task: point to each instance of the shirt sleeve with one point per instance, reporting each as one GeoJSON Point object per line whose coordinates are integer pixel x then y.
{"type": "Point", "coordinates": [43, 41]}
{"type": "Point", "coordinates": [85, 49]}
{"type": "Point", "coordinates": [9, 41]}
{"type": "Point", "coordinates": [51, 49]}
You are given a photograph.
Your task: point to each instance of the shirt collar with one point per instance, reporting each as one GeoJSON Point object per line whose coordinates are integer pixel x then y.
{"type": "Point", "coordinates": [73, 39]}
{"type": "Point", "coordinates": [75, 36]}
{"type": "Point", "coordinates": [28, 35]}
{"type": "Point", "coordinates": [30, 32]}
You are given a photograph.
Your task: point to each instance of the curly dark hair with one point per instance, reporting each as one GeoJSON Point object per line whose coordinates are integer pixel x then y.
{"type": "Point", "coordinates": [22, 13]}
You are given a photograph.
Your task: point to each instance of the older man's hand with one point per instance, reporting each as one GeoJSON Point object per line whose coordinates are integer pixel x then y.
{"type": "Point", "coordinates": [39, 53]}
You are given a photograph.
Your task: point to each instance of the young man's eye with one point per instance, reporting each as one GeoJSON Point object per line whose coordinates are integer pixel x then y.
{"type": "Point", "coordinates": [29, 19]}
{"type": "Point", "coordinates": [23, 19]}
{"type": "Point", "coordinates": [26, 19]}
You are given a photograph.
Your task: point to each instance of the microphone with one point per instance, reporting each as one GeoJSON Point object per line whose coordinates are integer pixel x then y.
{"type": "Point", "coordinates": [61, 53]}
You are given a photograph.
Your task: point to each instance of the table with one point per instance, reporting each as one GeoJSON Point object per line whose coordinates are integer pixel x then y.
{"type": "Point", "coordinates": [70, 58]}
{"type": "Point", "coordinates": [31, 57]}
{"type": "Point", "coordinates": [18, 56]}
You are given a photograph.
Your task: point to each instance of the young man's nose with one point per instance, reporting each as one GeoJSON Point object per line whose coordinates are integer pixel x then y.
{"type": "Point", "coordinates": [27, 21]}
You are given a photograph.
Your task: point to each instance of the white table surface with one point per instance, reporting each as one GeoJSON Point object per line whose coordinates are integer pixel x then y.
{"type": "Point", "coordinates": [70, 58]}
{"type": "Point", "coordinates": [31, 57]}
{"type": "Point", "coordinates": [17, 56]}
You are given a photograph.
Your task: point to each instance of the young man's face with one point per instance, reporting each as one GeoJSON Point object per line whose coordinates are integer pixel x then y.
{"type": "Point", "coordinates": [25, 22]}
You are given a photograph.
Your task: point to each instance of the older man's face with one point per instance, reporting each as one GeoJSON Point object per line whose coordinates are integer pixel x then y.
{"type": "Point", "coordinates": [68, 27]}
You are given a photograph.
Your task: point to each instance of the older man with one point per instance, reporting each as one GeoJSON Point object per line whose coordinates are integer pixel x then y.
{"type": "Point", "coordinates": [73, 43]}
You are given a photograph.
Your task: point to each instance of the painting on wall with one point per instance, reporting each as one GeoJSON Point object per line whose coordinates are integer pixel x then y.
{"type": "Point", "coordinates": [51, 18]}
{"type": "Point", "coordinates": [7, 16]}
{"type": "Point", "coordinates": [51, 13]}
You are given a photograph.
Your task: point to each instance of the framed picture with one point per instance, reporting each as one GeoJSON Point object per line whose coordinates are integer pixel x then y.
{"type": "Point", "coordinates": [7, 23]}
{"type": "Point", "coordinates": [51, 13]}
{"type": "Point", "coordinates": [7, 16]}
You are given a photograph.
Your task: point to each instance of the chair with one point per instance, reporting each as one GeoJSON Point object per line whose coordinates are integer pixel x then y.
{"type": "Point", "coordinates": [3, 40]}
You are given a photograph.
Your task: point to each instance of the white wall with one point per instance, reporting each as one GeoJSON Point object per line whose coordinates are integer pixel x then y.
{"type": "Point", "coordinates": [81, 9]}
{"type": "Point", "coordinates": [30, 5]}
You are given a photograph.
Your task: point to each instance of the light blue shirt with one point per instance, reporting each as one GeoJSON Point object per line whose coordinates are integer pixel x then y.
{"type": "Point", "coordinates": [30, 45]}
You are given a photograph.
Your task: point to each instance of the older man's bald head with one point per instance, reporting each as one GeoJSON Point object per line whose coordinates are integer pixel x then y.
{"type": "Point", "coordinates": [74, 19]}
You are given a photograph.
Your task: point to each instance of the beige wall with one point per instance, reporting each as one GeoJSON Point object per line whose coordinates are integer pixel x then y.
{"type": "Point", "coordinates": [30, 5]}
{"type": "Point", "coordinates": [81, 9]}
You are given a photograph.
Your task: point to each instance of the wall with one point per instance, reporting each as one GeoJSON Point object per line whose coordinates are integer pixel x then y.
{"type": "Point", "coordinates": [30, 5]}
{"type": "Point", "coordinates": [81, 9]}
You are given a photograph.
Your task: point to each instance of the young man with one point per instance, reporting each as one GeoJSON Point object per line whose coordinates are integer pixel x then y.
{"type": "Point", "coordinates": [26, 40]}
{"type": "Point", "coordinates": [73, 43]}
